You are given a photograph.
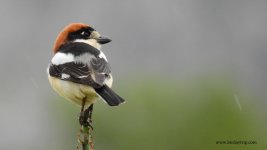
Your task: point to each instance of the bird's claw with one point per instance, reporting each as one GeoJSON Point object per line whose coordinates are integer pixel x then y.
{"type": "Point", "coordinates": [85, 118]}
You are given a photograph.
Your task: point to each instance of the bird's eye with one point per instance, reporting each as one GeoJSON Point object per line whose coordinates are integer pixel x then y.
{"type": "Point", "coordinates": [85, 33]}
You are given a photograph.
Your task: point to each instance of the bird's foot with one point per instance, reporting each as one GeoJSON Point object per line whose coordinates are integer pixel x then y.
{"type": "Point", "coordinates": [85, 118]}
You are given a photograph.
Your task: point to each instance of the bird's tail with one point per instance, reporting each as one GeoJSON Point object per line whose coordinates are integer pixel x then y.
{"type": "Point", "coordinates": [109, 96]}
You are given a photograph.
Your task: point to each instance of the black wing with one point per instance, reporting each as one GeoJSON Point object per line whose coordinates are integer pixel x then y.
{"type": "Point", "coordinates": [87, 69]}
{"type": "Point", "coordinates": [101, 70]}
{"type": "Point", "coordinates": [94, 72]}
{"type": "Point", "coordinates": [82, 74]}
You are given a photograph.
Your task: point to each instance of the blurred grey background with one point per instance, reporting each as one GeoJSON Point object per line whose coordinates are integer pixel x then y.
{"type": "Point", "coordinates": [167, 40]}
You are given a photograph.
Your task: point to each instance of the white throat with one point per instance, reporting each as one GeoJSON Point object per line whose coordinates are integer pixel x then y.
{"type": "Point", "coordinates": [91, 42]}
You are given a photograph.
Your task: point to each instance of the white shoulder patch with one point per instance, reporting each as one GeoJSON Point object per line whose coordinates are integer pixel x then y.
{"type": "Point", "coordinates": [62, 58]}
{"type": "Point", "coordinates": [102, 55]}
{"type": "Point", "coordinates": [84, 58]}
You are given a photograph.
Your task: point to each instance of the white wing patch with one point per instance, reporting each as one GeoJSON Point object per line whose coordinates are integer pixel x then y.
{"type": "Point", "coordinates": [83, 77]}
{"type": "Point", "coordinates": [62, 58]}
{"type": "Point", "coordinates": [65, 76]}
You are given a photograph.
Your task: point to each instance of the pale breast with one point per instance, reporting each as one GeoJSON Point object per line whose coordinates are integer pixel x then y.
{"type": "Point", "coordinates": [73, 91]}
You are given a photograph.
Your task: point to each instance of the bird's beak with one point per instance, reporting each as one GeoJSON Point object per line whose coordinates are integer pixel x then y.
{"type": "Point", "coordinates": [103, 40]}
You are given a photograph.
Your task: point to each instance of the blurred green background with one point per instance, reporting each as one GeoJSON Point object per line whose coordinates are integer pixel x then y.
{"type": "Point", "coordinates": [170, 114]}
{"type": "Point", "coordinates": [193, 72]}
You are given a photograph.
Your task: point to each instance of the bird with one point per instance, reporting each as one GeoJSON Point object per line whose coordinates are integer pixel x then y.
{"type": "Point", "coordinates": [79, 71]}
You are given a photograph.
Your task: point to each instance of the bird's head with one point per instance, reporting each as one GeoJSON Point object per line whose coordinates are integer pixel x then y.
{"type": "Point", "coordinates": [79, 32]}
